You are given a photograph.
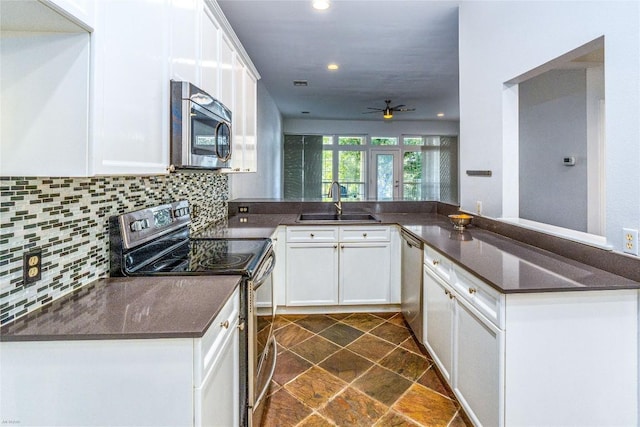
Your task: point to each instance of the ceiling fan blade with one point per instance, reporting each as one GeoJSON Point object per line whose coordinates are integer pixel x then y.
{"type": "Point", "coordinates": [397, 106]}
{"type": "Point", "coordinates": [377, 109]}
{"type": "Point", "coordinates": [371, 112]}
{"type": "Point", "coordinates": [402, 110]}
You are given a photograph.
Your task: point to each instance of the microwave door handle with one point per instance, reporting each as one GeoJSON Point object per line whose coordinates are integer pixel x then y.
{"type": "Point", "coordinates": [217, 140]}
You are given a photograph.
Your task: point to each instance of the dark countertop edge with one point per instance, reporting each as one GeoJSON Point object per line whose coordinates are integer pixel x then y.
{"type": "Point", "coordinates": [167, 334]}
{"type": "Point", "coordinates": [383, 221]}
{"type": "Point", "coordinates": [101, 337]}
{"type": "Point", "coordinates": [583, 288]}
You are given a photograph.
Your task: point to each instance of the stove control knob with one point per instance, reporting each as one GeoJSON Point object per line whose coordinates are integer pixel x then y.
{"type": "Point", "coordinates": [180, 212]}
{"type": "Point", "coordinates": [139, 225]}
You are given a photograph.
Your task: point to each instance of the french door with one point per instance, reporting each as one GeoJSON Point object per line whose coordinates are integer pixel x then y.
{"type": "Point", "coordinates": [384, 174]}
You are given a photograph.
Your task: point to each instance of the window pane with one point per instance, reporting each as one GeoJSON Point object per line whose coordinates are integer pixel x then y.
{"type": "Point", "coordinates": [350, 140]}
{"type": "Point", "coordinates": [384, 176]}
{"type": "Point", "coordinates": [412, 140]}
{"type": "Point", "coordinates": [384, 141]}
{"type": "Point", "coordinates": [433, 141]}
{"type": "Point", "coordinates": [351, 173]}
{"type": "Point", "coordinates": [327, 140]}
{"type": "Point", "coordinates": [412, 175]}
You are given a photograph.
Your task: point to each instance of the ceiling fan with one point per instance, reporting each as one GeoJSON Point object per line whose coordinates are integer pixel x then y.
{"type": "Point", "coordinates": [387, 112]}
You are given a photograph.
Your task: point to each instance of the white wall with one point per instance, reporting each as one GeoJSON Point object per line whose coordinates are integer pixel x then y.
{"type": "Point", "coordinates": [266, 182]}
{"type": "Point", "coordinates": [370, 127]}
{"type": "Point", "coordinates": [500, 40]}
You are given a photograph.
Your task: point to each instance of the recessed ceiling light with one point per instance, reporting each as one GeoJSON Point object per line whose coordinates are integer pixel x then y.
{"type": "Point", "coordinates": [321, 4]}
{"type": "Point", "coordinates": [440, 114]}
{"type": "Point", "coordinates": [300, 83]}
{"type": "Point", "coordinates": [332, 67]}
{"type": "Point", "coordinates": [305, 112]}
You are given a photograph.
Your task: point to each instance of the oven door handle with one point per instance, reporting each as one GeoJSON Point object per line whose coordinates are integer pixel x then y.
{"type": "Point", "coordinates": [267, 383]}
{"type": "Point", "coordinates": [260, 280]}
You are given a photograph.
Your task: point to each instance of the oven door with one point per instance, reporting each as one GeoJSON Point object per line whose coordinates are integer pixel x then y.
{"type": "Point", "coordinates": [262, 343]}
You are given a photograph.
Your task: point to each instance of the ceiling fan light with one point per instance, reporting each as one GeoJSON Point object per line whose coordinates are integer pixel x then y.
{"type": "Point", "coordinates": [387, 113]}
{"type": "Point", "coordinates": [321, 4]}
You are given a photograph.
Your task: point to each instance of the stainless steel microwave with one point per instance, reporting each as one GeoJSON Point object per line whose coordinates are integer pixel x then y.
{"type": "Point", "coordinates": [200, 129]}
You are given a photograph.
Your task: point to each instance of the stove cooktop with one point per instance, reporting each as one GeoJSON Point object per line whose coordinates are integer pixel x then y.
{"type": "Point", "coordinates": [195, 256]}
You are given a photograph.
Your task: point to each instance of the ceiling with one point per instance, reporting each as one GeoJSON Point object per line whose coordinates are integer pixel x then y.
{"type": "Point", "coordinates": [402, 50]}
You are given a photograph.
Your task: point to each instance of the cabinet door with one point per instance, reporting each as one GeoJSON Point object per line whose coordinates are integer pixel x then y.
{"type": "Point", "coordinates": [184, 37]}
{"type": "Point", "coordinates": [217, 402]}
{"type": "Point", "coordinates": [478, 381]}
{"type": "Point", "coordinates": [131, 88]}
{"type": "Point", "coordinates": [439, 322]}
{"type": "Point", "coordinates": [365, 273]}
{"type": "Point", "coordinates": [225, 94]}
{"type": "Point", "coordinates": [312, 274]}
{"type": "Point", "coordinates": [209, 69]}
{"type": "Point", "coordinates": [250, 122]}
{"type": "Point", "coordinates": [238, 116]}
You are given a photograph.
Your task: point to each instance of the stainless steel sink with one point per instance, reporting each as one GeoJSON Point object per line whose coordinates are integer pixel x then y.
{"type": "Point", "coordinates": [327, 217]}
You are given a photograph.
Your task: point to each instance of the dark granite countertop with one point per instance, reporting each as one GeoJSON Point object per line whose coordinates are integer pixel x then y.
{"type": "Point", "coordinates": [506, 264]}
{"type": "Point", "coordinates": [128, 308]}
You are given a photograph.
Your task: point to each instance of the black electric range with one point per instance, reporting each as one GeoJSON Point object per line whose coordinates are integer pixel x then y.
{"type": "Point", "coordinates": [156, 241]}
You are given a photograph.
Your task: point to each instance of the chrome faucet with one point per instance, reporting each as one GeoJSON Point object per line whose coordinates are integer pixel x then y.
{"type": "Point", "coordinates": [339, 204]}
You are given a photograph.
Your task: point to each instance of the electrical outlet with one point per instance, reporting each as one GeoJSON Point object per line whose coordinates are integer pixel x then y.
{"type": "Point", "coordinates": [243, 209]}
{"type": "Point", "coordinates": [32, 266]}
{"type": "Point", "coordinates": [630, 241]}
{"type": "Point", "coordinates": [479, 207]}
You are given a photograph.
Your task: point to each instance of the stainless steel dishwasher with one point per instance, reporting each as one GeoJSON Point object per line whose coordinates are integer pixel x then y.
{"type": "Point", "coordinates": [411, 278]}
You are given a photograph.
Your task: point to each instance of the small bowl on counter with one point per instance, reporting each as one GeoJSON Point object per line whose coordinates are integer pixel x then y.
{"type": "Point", "coordinates": [460, 221]}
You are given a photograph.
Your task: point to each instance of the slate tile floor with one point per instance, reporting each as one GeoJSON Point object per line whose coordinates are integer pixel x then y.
{"type": "Point", "coordinates": [357, 369]}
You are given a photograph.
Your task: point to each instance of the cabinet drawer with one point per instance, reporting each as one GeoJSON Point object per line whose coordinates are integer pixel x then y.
{"type": "Point", "coordinates": [483, 297]}
{"type": "Point", "coordinates": [207, 348]}
{"type": "Point", "coordinates": [437, 263]}
{"type": "Point", "coordinates": [365, 234]}
{"type": "Point", "coordinates": [312, 234]}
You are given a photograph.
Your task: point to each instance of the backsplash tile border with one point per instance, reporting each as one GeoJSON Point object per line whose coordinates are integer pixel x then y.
{"type": "Point", "coordinates": [68, 219]}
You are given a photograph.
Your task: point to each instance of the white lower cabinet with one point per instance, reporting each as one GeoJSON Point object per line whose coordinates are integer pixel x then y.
{"type": "Point", "coordinates": [312, 274]}
{"type": "Point", "coordinates": [125, 382]}
{"type": "Point", "coordinates": [532, 359]}
{"type": "Point", "coordinates": [478, 357]}
{"type": "Point", "coordinates": [348, 265]}
{"type": "Point", "coordinates": [364, 273]}
{"type": "Point", "coordinates": [438, 323]}
{"type": "Point", "coordinates": [217, 398]}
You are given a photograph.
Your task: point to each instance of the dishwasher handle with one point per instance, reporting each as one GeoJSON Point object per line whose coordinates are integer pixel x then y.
{"type": "Point", "coordinates": [411, 241]}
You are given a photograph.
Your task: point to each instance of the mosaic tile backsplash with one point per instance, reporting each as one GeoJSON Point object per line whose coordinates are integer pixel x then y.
{"type": "Point", "coordinates": [67, 218]}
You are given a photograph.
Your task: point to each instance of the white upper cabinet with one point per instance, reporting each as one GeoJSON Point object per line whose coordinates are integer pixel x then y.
{"type": "Point", "coordinates": [185, 43]}
{"type": "Point", "coordinates": [101, 71]}
{"type": "Point", "coordinates": [135, 58]}
{"type": "Point", "coordinates": [44, 91]}
{"type": "Point", "coordinates": [210, 53]}
{"type": "Point", "coordinates": [131, 105]}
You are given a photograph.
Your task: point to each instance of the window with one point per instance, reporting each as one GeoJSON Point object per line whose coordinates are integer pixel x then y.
{"type": "Point", "coordinates": [384, 141]}
{"type": "Point", "coordinates": [409, 167]}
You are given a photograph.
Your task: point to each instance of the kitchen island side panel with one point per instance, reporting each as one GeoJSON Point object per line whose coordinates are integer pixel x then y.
{"type": "Point", "coordinates": [572, 358]}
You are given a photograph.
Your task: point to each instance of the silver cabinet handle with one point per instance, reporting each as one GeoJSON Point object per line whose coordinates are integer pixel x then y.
{"type": "Point", "coordinates": [241, 326]}
{"type": "Point", "coordinates": [436, 261]}
{"type": "Point", "coordinates": [224, 324]}
{"type": "Point", "coordinates": [472, 291]}
{"type": "Point", "coordinates": [311, 234]}
{"type": "Point", "coordinates": [364, 234]}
